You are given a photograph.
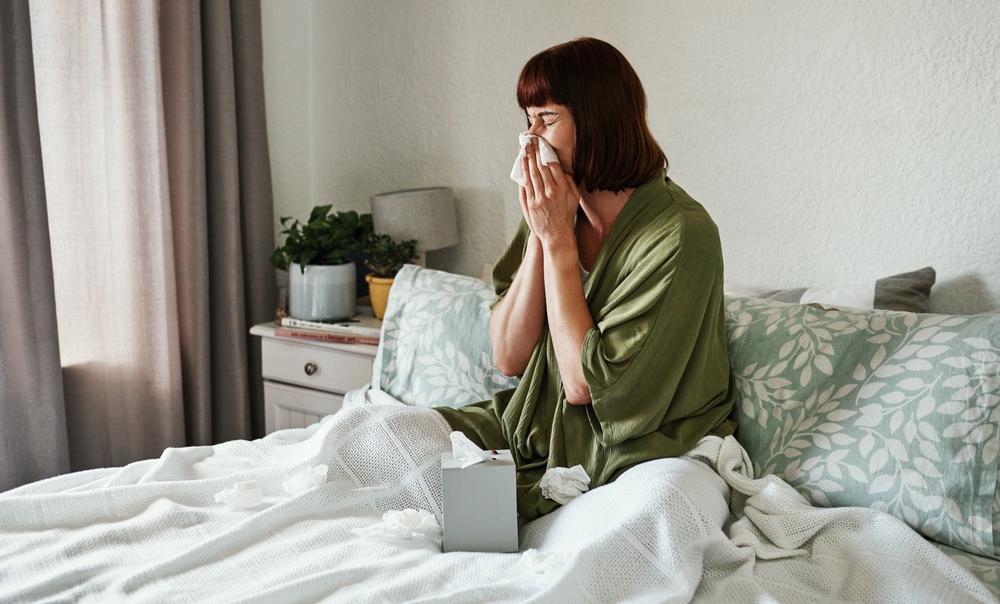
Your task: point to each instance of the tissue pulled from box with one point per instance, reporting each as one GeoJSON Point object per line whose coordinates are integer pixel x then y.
{"type": "Point", "coordinates": [243, 496]}
{"type": "Point", "coordinates": [545, 149]}
{"type": "Point", "coordinates": [564, 484]}
{"type": "Point", "coordinates": [404, 524]}
{"type": "Point", "coordinates": [465, 451]}
{"type": "Point", "coordinates": [540, 563]}
{"type": "Point", "coordinates": [306, 479]}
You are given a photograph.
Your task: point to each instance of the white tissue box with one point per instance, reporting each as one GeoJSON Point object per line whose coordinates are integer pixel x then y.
{"type": "Point", "coordinates": [480, 504]}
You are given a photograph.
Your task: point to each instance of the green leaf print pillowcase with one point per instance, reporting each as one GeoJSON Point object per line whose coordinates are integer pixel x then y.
{"type": "Point", "coordinates": [890, 410]}
{"type": "Point", "coordinates": [435, 348]}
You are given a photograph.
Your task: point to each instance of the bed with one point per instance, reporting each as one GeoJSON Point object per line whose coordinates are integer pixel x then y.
{"type": "Point", "coordinates": [712, 526]}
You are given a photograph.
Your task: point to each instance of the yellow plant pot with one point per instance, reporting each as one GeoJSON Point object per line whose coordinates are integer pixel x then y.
{"type": "Point", "coordinates": [378, 291]}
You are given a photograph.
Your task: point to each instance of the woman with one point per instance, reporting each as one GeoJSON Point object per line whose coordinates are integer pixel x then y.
{"type": "Point", "coordinates": [610, 294]}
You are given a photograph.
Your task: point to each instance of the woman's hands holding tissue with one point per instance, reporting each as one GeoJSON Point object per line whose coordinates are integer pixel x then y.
{"type": "Point", "coordinates": [549, 199]}
{"type": "Point", "coordinates": [548, 286]}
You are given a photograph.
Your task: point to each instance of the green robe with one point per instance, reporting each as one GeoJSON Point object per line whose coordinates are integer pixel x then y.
{"type": "Point", "coordinates": [656, 360]}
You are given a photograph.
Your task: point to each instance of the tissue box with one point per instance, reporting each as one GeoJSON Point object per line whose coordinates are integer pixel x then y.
{"type": "Point", "coordinates": [480, 504]}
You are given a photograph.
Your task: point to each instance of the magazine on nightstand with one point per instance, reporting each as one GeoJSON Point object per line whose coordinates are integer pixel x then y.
{"type": "Point", "coordinates": [360, 329]}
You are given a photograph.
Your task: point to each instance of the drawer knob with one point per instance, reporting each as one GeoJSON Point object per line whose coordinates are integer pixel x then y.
{"type": "Point", "coordinates": [310, 368]}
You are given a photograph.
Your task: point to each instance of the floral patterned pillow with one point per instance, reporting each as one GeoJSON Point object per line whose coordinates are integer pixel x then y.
{"type": "Point", "coordinates": [435, 345]}
{"type": "Point", "coordinates": [890, 410]}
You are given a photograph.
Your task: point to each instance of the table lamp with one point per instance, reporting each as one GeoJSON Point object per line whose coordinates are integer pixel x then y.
{"type": "Point", "coordinates": [427, 215]}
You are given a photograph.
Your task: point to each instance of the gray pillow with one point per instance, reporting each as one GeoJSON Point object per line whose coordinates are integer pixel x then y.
{"type": "Point", "coordinates": [906, 292]}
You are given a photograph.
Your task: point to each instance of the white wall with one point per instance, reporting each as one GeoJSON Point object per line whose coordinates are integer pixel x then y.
{"type": "Point", "coordinates": [832, 142]}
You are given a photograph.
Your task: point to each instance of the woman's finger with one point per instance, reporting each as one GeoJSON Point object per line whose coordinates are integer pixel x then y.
{"type": "Point", "coordinates": [558, 176]}
{"type": "Point", "coordinates": [544, 173]}
{"type": "Point", "coordinates": [522, 198]}
{"type": "Point", "coordinates": [571, 185]}
{"type": "Point", "coordinates": [537, 186]}
{"type": "Point", "coordinates": [526, 170]}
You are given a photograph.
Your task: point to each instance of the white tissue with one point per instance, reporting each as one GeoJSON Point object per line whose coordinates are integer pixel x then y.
{"type": "Point", "coordinates": [540, 563]}
{"type": "Point", "coordinates": [564, 484]}
{"type": "Point", "coordinates": [306, 479]}
{"type": "Point", "coordinates": [547, 153]}
{"type": "Point", "coordinates": [243, 496]}
{"type": "Point", "coordinates": [466, 451]}
{"type": "Point", "coordinates": [404, 524]}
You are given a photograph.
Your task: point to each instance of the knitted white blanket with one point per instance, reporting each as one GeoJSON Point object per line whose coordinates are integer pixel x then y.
{"type": "Point", "coordinates": [153, 532]}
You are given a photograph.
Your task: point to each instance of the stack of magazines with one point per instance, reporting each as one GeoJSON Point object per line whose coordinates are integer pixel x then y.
{"type": "Point", "coordinates": [357, 330]}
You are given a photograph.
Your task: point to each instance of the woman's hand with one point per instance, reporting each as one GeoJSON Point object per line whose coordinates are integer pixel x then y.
{"type": "Point", "coordinates": [549, 199]}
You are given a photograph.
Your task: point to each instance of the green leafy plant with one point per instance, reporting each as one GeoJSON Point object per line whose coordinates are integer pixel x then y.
{"type": "Point", "coordinates": [388, 256]}
{"type": "Point", "coordinates": [326, 239]}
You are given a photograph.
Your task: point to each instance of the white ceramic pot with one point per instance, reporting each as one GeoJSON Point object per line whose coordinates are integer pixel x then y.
{"type": "Point", "coordinates": [322, 293]}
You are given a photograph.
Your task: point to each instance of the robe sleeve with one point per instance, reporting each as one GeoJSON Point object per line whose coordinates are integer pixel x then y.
{"type": "Point", "coordinates": [657, 353]}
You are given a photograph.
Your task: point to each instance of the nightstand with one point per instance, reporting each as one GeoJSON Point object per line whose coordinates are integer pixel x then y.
{"type": "Point", "coordinates": [305, 380]}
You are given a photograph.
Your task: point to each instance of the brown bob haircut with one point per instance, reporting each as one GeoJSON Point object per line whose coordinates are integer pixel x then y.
{"type": "Point", "coordinates": [614, 147]}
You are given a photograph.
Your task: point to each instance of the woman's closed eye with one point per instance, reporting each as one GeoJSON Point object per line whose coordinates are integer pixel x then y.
{"type": "Point", "coordinates": [547, 118]}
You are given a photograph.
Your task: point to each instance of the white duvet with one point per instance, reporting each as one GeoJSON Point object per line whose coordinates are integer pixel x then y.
{"type": "Point", "coordinates": [152, 531]}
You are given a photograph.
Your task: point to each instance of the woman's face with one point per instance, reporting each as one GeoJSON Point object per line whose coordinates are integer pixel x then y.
{"type": "Point", "coordinates": [555, 124]}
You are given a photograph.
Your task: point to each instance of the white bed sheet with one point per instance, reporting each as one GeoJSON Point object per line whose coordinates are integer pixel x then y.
{"type": "Point", "coordinates": [152, 531]}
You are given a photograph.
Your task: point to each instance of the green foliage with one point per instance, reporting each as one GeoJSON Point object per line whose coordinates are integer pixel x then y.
{"type": "Point", "coordinates": [325, 240]}
{"type": "Point", "coordinates": [388, 256]}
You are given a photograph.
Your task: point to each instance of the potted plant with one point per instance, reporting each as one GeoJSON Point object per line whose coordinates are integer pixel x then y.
{"type": "Point", "coordinates": [321, 278]}
{"type": "Point", "coordinates": [387, 257]}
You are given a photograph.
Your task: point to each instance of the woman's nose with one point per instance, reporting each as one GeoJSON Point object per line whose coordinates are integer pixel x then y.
{"type": "Point", "coordinates": [534, 129]}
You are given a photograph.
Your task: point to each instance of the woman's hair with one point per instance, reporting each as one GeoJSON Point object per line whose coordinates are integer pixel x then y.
{"type": "Point", "coordinates": [614, 147]}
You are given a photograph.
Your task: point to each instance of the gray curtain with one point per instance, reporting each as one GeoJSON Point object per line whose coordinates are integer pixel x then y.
{"type": "Point", "coordinates": [220, 182]}
{"type": "Point", "coordinates": [32, 417]}
{"type": "Point", "coordinates": [157, 178]}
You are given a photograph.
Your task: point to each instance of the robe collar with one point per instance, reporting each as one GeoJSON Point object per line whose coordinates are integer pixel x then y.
{"type": "Point", "coordinates": [653, 189]}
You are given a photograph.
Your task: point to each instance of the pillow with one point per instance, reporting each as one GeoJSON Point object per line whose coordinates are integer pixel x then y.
{"type": "Point", "coordinates": [435, 345]}
{"type": "Point", "coordinates": [889, 410]}
{"type": "Point", "coordinates": [907, 292]}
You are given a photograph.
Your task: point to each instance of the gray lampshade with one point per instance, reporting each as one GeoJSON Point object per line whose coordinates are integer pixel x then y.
{"type": "Point", "coordinates": [427, 215]}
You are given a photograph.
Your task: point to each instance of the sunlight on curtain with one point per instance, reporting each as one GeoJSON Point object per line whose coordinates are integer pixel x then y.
{"type": "Point", "coordinates": [104, 156]}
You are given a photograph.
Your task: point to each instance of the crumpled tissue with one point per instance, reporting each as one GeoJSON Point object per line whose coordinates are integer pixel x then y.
{"type": "Point", "coordinates": [540, 563]}
{"type": "Point", "coordinates": [564, 484]}
{"type": "Point", "coordinates": [547, 153]}
{"type": "Point", "coordinates": [466, 451]}
{"type": "Point", "coordinates": [243, 496]}
{"type": "Point", "coordinates": [404, 524]}
{"type": "Point", "coordinates": [306, 479]}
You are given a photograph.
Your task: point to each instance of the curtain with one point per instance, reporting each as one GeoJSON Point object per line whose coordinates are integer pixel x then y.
{"type": "Point", "coordinates": [32, 417]}
{"type": "Point", "coordinates": [211, 57]}
{"type": "Point", "coordinates": [157, 180]}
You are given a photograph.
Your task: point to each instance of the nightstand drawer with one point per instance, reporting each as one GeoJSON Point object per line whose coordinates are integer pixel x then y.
{"type": "Point", "coordinates": [314, 366]}
{"type": "Point", "coordinates": [293, 407]}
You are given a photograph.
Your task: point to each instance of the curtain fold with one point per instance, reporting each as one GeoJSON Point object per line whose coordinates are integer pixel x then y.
{"type": "Point", "coordinates": [184, 111]}
{"type": "Point", "coordinates": [256, 193]}
{"type": "Point", "coordinates": [220, 182]}
{"type": "Point", "coordinates": [32, 417]}
{"type": "Point", "coordinates": [159, 198]}
{"type": "Point", "coordinates": [231, 417]}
